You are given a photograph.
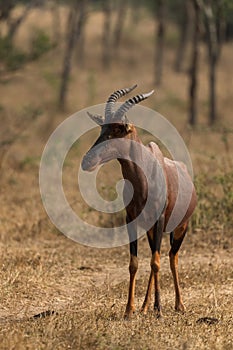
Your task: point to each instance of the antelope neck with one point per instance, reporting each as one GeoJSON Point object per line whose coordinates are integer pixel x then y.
{"type": "Point", "coordinates": [130, 170]}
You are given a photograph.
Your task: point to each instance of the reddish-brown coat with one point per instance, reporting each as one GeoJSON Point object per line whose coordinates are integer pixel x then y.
{"type": "Point", "coordinates": [177, 180]}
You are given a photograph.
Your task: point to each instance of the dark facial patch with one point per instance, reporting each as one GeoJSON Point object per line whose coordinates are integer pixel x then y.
{"type": "Point", "coordinates": [115, 130]}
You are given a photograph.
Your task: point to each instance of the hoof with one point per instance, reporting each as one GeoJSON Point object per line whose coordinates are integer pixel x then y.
{"type": "Point", "coordinates": [158, 313]}
{"type": "Point", "coordinates": [159, 316]}
{"type": "Point", "coordinates": [180, 307]}
{"type": "Point", "coordinates": [144, 311]}
{"type": "Point", "coordinates": [129, 313]}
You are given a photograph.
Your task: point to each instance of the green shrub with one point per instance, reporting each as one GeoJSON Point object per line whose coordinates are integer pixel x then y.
{"type": "Point", "coordinates": [40, 44]}
{"type": "Point", "coordinates": [12, 57]}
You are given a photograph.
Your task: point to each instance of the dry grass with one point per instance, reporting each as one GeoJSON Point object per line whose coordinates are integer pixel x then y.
{"type": "Point", "coordinates": [42, 270]}
{"type": "Point", "coordinates": [88, 288]}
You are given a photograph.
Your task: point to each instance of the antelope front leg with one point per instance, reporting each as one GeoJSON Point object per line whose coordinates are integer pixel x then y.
{"type": "Point", "coordinates": [155, 265]}
{"type": "Point", "coordinates": [155, 261]}
{"type": "Point", "coordinates": [133, 267]}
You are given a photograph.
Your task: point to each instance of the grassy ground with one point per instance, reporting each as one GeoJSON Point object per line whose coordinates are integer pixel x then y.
{"type": "Point", "coordinates": [42, 270]}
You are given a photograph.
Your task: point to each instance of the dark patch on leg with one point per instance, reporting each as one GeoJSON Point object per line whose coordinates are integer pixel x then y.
{"type": "Point", "coordinates": [176, 245]}
{"type": "Point", "coordinates": [133, 247]}
{"type": "Point", "coordinates": [171, 238]}
{"type": "Point", "coordinates": [176, 242]}
{"type": "Point", "coordinates": [132, 234]}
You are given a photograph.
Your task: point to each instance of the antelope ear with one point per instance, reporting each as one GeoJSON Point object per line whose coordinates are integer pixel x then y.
{"type": "Point", "coordinates": [129, 128]}
{"type": "Point", "coordinates": [98, 119]}
{"type": "Point", "coordinates": [128, 125]}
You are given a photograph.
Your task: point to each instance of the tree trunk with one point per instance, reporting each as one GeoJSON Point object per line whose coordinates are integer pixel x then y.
{"type": "Point", "coordinates": [106, 58]}
{"type": "Point", "coordinates": [212, 42]}
{"type": "Point", "coordinates": [75, 21]}
{"type": "Point", "coordinates": [221, 26]}
{"type": "Point", "coordinates": [212, 85]}
{"type": "Point", "coordinates": [14, 26]}
{"type": "Point", "coordinates": [121, 15]}
{"type": "Point", "coordinates": [81, 48]}
{"type": "Point", "coordinates": [194, 65]}
{"type": "Point", "coordinates": [56, 22]}
{"type": "Point", "coordinates": [5, 10]}
{"type": "Point", "coordinates": [184, 36]}
{"type": "Point", "coordinates": [81, 31]}
{"type": "Point", "coordinates": [67, 62]}
{"type": "Point", "coordinates": [159, 46]}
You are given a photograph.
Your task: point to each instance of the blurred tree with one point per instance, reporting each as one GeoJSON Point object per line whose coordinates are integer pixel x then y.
{"type": "Point", "coordinates": [228, 13]}
{"type": "Point", "coordinates": [159, 45]}
{"type": "Point", "coordinates": [107, 10]}
{"type": "Point", "coordinates": [222, 8]}
{"type": "Point", "coordinates": [215, 19]}
{"type": "Point", "coordinates": [213, 50]}
{"type": "Point", "coordinates": [56, 23]}
{"type": "Point", "coordinates": [121, 15]}
{"type": "Point", "coordinates": [80, 43]}
{"type": "Point", "coordinates": [13, 24]}
{"type": "Point", "coordinates": [184, 27]}
{"type": "Point", "coordinates": [194, 63]}
{"type": "Point", "coordinates": [69, 46]}
{"type": "Point", "coordinates": [74, 26]}
{"type": "Point", "coordinates": [11, 56]}
{"type": "Point", "coordinates": [5, 9]}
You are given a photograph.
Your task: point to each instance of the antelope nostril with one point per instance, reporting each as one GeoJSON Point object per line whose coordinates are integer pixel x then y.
{"type": "Point", "coordinates": [85, 163]}
{"type": "Point", "coordinates": [89, 162]}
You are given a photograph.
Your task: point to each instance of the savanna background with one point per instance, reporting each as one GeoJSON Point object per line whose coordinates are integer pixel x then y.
{"type": "Point", "coordinates": [57, 57]}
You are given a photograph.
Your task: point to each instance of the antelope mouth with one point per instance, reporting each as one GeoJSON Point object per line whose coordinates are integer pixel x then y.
{"type": "Point", "coordinates": [89, 166]}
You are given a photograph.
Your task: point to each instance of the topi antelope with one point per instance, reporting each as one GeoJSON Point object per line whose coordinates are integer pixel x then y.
{"type": "Point", "coordinates": [133, 160]}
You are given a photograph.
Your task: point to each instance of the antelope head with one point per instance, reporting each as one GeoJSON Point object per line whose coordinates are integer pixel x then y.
{"type": "Point", "coordinates": [114, 125]}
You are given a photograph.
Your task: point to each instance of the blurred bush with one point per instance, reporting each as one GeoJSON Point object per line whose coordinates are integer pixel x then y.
{"type": "Point", "coordinates": [40, 44]}
{"type": "Point", "coordinates": [11, 57]}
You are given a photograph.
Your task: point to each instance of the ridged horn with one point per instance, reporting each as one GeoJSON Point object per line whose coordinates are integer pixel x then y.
{"type": "Point", "coordinates": [113, 98]}
{"type": "Point", "coordinates": [98, 119]}
{"type": "Point", "coordinates": [119, 114]}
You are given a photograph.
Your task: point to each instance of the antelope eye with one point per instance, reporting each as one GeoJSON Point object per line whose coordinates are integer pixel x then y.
{"type": "Point", "coordinates": [118, 129]}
